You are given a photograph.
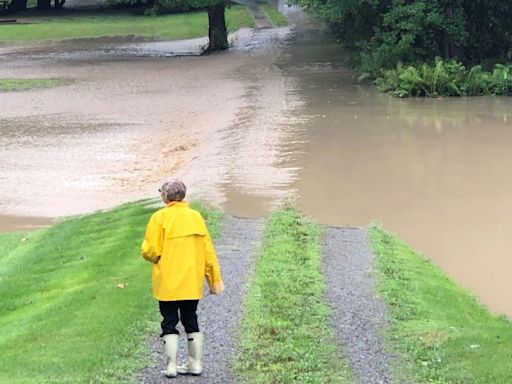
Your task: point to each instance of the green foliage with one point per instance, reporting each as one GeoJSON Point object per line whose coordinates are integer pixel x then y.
{"type": "Point", "coordinates": [476, 82]}
{"type": "Point", "coordinates": [489, 30]}
{"type": "Point", "coordinates": [501, 79]}
{"type": "Point", "coordinates": [445, 78]}
{"type": "Point", "coordinates": [386, 32]}
{"type": "Point", "coordinates": [285, 334]}
{"type": "Point", "coordinates": [75, 300]}
{"type": "Point", "coordinates": [442, 333]}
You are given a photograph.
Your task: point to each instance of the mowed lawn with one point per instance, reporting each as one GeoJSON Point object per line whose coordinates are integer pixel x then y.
{"type": "Point", "coordinates": [75, 300]}
{"type": "Point", "coordinates": [75, 26]}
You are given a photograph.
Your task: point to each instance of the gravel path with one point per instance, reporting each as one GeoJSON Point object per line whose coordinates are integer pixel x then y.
{"type": "Point", "coordinates": [358, 316]}
{"type": "Point", "coordinates": [236, 250]}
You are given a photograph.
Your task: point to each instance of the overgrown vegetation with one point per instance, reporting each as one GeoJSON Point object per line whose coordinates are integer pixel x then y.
{"type": "Point", "coordinates": [439, 328]}
{"type": "Point", "coordinates": [276, 18]}
{"type": "Point", "coordinates": [176, 26]}
{"type": "Point", "coordinates": [384, 33]}
{"type": "Point", "coordinates": [285, 333]}
{"type": "Point", "coordinates": [75, 299]}
{"type": "Point", "coordinates": [445, 78]}
{"type": "Point", "coordinates": [24, 84]}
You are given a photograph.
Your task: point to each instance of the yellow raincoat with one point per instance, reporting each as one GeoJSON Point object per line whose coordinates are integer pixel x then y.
{"type": "Point", "coordinates": [180, 248]}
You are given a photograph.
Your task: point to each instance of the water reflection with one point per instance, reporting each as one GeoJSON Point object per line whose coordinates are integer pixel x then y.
{"type": "Point", "coordinates": [242, 169]}
{"type": "Point", "coordinates": [436, 171]}
{"type": "Point", "coordinates": [451, 112]}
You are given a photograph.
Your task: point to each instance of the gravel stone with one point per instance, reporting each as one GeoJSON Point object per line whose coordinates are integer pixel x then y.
{"type": "Point", "coordinates": [358, 315]}
{"type": "Point", "coordinates": [219, 316]}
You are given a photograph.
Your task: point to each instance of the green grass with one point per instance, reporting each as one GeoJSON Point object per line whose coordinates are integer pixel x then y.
{"type": "Point", "coordinates": [441, 330]}
{"type": "Point", "coordinates": [275, 17]}
{"type": "Point", "coordinates": [171, 27]}
{"type": "Point", "coordinates": [63, 317]}
{"type": "Point", "coordinates": [285, 335]}
{"type": "Point", "coordinates": [213, 218]}
{"type": "Point", "coordinates": [238, 16]}
{"type": "Point", "coordinates": [7, 85]}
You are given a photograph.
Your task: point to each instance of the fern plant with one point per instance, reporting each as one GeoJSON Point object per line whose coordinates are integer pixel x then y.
{"type": "Point", "coordinates": [500, 81]}
{"type": "Point", "coordinates": [445, 78]}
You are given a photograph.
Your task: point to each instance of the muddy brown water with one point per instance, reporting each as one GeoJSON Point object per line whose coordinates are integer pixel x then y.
{"type": "Point", "coordinates": [279, 116]}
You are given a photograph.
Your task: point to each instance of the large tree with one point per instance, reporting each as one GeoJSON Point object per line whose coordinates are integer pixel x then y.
{"type": "Point", "coordinates": [217, 31]}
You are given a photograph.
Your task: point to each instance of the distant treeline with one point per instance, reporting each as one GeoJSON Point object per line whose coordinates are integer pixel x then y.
{"type": "Point", "coordinates": [384, 33]}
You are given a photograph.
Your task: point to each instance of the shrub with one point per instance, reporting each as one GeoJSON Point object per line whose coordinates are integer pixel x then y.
{"type": "Point", "coordinates": [444, 78]}
{"type": "Point", "coordinates": [499, 80]}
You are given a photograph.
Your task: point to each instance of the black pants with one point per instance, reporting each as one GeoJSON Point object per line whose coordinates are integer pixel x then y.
{"type": "Point", "coordinates": [187, 315]}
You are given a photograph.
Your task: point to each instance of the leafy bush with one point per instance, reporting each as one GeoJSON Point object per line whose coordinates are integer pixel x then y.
{"type": "Point", "coordinates": [444, 78]}
{"type": "Point", "coordinates": [477, 82]}
{"type": "Point", "coordinates": [500, 82]}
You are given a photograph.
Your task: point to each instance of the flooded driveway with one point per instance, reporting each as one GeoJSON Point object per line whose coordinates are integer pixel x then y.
{"type": "Point", "coordinates": [123, 123]}
{"type": "Point", "coordinates": [279, 116]}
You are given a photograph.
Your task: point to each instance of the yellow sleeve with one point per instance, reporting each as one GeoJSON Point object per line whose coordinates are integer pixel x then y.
{"type": "Point", "coordinates": [151, 248]}
{"type": "Point", "coordinates": [213, 276]}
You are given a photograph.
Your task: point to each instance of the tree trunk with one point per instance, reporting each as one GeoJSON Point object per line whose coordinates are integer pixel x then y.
{"type": "Point", "coordinates": [450, 50]}
{"type": "Point", "coordinates": [44, 4]}
{"type": "Point", "coordinates": [18, 5]}
{"type": "Point", "coordinates": [217, 28]}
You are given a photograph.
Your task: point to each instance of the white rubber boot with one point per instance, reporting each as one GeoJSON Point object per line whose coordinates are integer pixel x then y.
{"type": "Point", "coordinates": [194, 364]}
{"type": "Point", "coordinates": [171, 351]}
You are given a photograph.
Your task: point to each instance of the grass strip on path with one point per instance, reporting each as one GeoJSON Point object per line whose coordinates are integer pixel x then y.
{"type": "Point", "coordinates": [75, 299]}
{"type": "Point", "coordinates": [168, 27]}
{"type": "Point", "coordinates": [271, 12]}
{"type": "Point", "coordinates": [286, 336]}
{"type": "Point", "coordinates": [8, 85]}
{"type": "Point", "coordinates": [440, 328]}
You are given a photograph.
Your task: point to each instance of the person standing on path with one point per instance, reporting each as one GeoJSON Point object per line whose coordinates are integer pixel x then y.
{"type": "Point", "coordinates": [178, 245]}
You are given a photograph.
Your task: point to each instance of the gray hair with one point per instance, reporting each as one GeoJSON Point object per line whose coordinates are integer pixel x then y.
{"type": "Point", "coordinates": [173, 189]}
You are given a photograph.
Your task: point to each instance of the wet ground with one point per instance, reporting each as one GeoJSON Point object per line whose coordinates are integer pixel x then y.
{"type": "Point", "coordinates": [278, 116]}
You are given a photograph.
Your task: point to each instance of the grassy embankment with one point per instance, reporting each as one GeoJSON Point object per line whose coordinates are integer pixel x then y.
{"type": "Point", "coordinates": [8, 85]}
{"type": "Point", "coordinates": [285, 333]}
{"type": "Point", "coordinates": [440, 329]}
{"type": "Point", "coordinates": [168, 27]}
{"type": "Point", "coordinates": [75, 299]}
{"type": "Point", "coordinates": [275, 17]}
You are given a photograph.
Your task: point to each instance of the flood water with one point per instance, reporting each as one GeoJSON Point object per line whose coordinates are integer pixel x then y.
{"type": "Point", "coordinates": [279, 116]}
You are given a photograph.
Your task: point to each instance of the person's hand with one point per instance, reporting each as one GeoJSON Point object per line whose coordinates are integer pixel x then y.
{"type": "Point", "coordinates": [216, 288]}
